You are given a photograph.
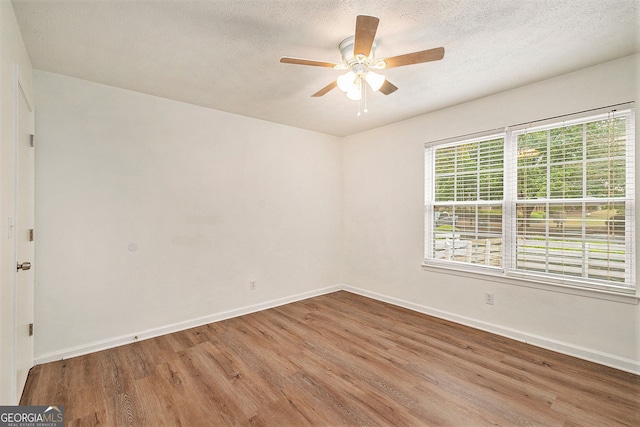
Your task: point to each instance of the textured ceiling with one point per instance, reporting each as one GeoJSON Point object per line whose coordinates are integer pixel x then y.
{"type": "Point", "coordinates": [225, 54]}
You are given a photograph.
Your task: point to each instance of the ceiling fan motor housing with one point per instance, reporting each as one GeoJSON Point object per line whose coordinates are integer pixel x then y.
{"type": "Point", "coordinates": [346, 49]}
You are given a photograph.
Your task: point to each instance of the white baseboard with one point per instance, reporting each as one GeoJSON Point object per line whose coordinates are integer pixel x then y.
{"type": "Point", "coordinates": [611, 360]}
{"type": "Point", "coordinates": [176, 327]}
{"type": "Point", "coordinates": [602, 358]}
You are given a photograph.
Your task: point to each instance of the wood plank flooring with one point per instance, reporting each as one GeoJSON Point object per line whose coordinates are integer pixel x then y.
{"type": "Point", "coordinates": [334, 360]}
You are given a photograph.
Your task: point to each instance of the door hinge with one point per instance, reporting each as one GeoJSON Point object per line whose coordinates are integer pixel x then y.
{"type": "Point", "coordinates": [30, 329]}
{"type": "Point", "coordinates": [32, 140]}
{"type": "Point", "coordinates": [31, 234]}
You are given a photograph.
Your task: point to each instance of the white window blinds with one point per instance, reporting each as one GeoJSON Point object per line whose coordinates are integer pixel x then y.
{"type": "Point", "coordinates": [573, 200]}
{"type": "Point", "coordinates": [553, 201]}
{"type": "Point", "coordinates": [466, 210]}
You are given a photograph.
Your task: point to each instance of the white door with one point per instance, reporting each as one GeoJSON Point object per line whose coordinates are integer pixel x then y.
{"type": "Point", "coordinates": [24, 193]}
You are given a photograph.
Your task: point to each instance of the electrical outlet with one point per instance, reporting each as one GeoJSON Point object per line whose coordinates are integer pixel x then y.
{"type": "Point", "coordinates": [488, 298]}
{"type": "Point", "coordinates": [252, 285]}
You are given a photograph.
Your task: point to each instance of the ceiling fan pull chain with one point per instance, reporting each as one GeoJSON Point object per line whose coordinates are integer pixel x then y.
{"type": "Point", "coordinates": [364, 95]}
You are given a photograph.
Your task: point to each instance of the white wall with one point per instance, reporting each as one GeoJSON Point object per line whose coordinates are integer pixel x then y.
{"type": "Point", "coordinates": [212, 200]}
{"type": "Point", "coordinates": [383, 238]}
{"type": "Point", "coordinates": [13, 56]}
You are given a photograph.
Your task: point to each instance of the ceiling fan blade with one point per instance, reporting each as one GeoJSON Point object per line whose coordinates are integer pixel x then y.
{"type": "Point", "coordinates": [325, 89]}
{"type": "Point", "coordinates": [415, 57]}
{"type": "Point", "coordinates": [300, 61]}
{"type": "Point", "coordinates": [366, 27]}
{"type": "Point", "coordinates": [388, 88]}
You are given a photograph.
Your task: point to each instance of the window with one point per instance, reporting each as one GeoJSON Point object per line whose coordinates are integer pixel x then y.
{"type": "Point", "coordinates": [468, 196]}
{"type": "Point", "coordinates": [553, 202]}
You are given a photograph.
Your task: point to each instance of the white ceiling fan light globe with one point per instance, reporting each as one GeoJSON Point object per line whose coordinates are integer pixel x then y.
{"type": "Point", "coordinates": [346, 82]}
{"type": "Point", "coordinates": [355, 93]}
{"type": "Point", "coordinates": [374, 80]}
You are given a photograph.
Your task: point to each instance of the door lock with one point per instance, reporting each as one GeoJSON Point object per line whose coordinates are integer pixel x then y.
{"type": "Point", "coordinates": [24, 266]}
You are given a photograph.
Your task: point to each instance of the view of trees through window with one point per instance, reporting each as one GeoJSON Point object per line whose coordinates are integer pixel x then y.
{"type": "Point", "coordinates": [549, 201]}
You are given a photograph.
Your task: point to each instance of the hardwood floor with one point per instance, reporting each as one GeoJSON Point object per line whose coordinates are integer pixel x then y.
{"type": "Point", "coordinates": [338, 359]}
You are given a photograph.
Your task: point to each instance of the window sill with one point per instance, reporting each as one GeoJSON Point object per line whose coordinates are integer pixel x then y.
{"type": "Point", "coordinates": [536, 284]}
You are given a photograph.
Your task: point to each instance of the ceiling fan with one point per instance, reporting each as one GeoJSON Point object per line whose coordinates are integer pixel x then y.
{"type": "Point", "coordinates": [358, 55]}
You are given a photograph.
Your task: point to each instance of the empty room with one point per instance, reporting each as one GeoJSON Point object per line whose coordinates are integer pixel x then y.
{"type": "Point", "coordinates": [328, 212]}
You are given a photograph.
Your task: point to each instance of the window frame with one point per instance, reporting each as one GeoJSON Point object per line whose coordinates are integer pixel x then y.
{"type": "Point", "coordinates": [508, 270]}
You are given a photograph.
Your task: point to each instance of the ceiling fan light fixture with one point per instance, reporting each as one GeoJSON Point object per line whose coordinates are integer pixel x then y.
{"type": "Point", "coordinates": [347, 81]}
{"type": "Point", "coordinates": [374, 80]}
